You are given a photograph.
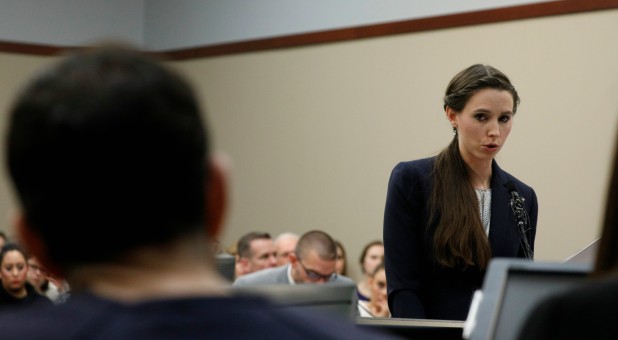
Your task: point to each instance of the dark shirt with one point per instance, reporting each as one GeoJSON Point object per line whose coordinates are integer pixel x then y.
{"type": "Point", "coordinates": [32, 298]}
{"type": "Point", "coordinates": [361, 297]}
{"type": "Point", "coordinates": [86, 316]}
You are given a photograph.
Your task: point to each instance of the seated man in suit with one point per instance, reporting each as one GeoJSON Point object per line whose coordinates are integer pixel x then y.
{"type": "Point", "coordinates": [313, 261]}
{"type": "Point", "coordinates": [108, 147]}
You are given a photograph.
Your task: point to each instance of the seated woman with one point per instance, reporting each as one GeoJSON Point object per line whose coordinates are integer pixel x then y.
{"type": "Point", "coordinates": [341, 264]}
{"type": "Point", "coordinates": [377, 306]}
{"type": "Point", "coordinates": [371, 256]}
{"type": "Point", "coordinates": [15, 289]}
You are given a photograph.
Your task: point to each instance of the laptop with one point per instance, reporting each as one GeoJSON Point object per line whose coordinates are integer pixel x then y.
{"type": "Point", "coordinates": [334, 299]}
{"type": "Point", "coordinates": [511, 289]}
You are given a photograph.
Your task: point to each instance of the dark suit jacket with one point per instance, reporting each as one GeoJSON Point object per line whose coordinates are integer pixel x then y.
{"type": "Point", "coordinates": [588, 312]}
{"type": "Point", "coordinates": [417, 286]}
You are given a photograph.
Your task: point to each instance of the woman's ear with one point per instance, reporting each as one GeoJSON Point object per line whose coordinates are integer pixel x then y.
{"type": "Point", "coordinates": [451, 115]}
{"type": "Point", "coordinates": [216, 194]}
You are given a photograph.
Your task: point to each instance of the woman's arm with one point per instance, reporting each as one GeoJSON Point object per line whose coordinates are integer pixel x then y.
{"type": "Point", "coordinates": [403, 244]}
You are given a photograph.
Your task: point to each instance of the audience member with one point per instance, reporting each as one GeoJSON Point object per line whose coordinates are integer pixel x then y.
{"type": "Point", "coordinates": [341, 265]}
{"type": "Point", "coordinates": [284, 245]}
{"type": "Point", "coordinates": [371, 256]}
{"type": "Point", "coordinates": [108, 139]}
{"type": "Point", "coordinates": [15, 289]}
{"type": "Point", "coordinates": [64, 289]}
{"type": "Point", "coordinates": [3, 239]}
{"type": "Point", "coordinates": [233, 250]}
{"type": "Point", "coordinates": [217, 247]}
{"type": "Point", "coordinates": [377, 306]}
{"type": "Point", "coordinates": [589, 311]}
{"type": "Point", "coordinates": [256, 251]}
{"type": "Point", "coordinates": [38, 278]}
{"type": "Point", "coordinates": [313, 261]}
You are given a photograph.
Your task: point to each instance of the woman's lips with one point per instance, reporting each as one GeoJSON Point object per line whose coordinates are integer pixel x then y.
{"type": "Point", "coordinates": [491, 147]}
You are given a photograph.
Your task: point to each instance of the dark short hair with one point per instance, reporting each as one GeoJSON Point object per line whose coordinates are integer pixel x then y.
{"type": "Point", "coordinates": [318, 241]}
{"type": "Point", "coordinates": [243, 249]}
{"type": "Point", "coordinates": [107, 151]}
{"type": "Point", "coordinates": [13, 247]}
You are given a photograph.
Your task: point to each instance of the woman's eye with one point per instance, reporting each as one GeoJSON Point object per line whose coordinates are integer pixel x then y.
{"type": "Point", "coordinates": [505, 118]}
{"type": "Point", "coordinates": [480, 117]}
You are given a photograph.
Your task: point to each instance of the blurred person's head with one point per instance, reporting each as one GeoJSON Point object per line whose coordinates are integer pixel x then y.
{"type": "Point", "coordinates": [3, 239]}
{"type": "Point", "coordinates": [341, 266]}
{"type": "Point", "coordinates": [371, 256]}
{"type": "Point", "coordinates": [255, 251]}
{"type": "Point", "coordinates": [284, 245]}
{"type": "Point", "coordinates": [379, 296]}
{"type": "Point", "coordinates": [110, 139]}
{"type": "Point", "coordinates": [314, 258]}
{"type": "Point", "coordinates": [14, 270]}
{"type": "Point", "coordinates": [37, 275]}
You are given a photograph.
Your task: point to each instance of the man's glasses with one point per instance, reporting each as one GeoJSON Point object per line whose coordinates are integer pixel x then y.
{"type": "Point", "coordinates": [315, 276]}
{"type": "Point", "coordinates": [36, 268]}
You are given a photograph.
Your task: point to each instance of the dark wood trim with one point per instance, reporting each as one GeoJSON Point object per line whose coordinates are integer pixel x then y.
{"type": "Point", "coordinates": [30, 49]}
{"type": "Point", "coordinates": [544, 9]}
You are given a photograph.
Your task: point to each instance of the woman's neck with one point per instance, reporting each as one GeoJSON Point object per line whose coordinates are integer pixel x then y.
{"type": "Point", "coordinates": [363, 288]}
{"type": "Point", "coordinates": [479, 173]}
{"type": "Point", "coordinates": [19, 293]}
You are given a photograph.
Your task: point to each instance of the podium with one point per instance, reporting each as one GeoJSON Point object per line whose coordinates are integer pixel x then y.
{"type": "Point", "coordinates": [511, 289]}
{"type": "Point", "coordinates": [586, 255]}
{"type": "Point", "coordinates": [415, 328]}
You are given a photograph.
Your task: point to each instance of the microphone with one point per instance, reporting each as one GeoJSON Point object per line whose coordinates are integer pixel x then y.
{"type": "Point", "coordinates": [511, 188]}
{"type": "Point", "coordinates": [515, 198]}
{"type": "Point", "coordinates": [521, 217]}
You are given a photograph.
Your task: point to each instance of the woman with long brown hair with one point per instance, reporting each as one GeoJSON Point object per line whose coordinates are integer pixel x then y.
{"type": "Point", "coordinates": [448, 215]}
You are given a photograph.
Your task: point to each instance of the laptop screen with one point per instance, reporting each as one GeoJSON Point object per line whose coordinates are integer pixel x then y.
{"type": "Point", "coordinates": [512, 288]}
{"type": "Point", "coordinates": [335, 299]}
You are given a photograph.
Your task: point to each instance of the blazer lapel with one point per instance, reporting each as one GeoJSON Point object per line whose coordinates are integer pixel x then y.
{"type": "Point", "coordinates": [501, 225]}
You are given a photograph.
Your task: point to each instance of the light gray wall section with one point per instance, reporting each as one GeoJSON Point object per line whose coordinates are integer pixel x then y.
{"type": "Point", "coordinates": [165, 24]}
{"type": "Point", "coordinates": [175, 24]}
{"type": "Point", "coordinates": [71, 22]}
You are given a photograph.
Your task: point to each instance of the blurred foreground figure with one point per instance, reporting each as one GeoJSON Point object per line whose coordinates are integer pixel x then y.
{"type": "Point", "coordinates": [108, 147]}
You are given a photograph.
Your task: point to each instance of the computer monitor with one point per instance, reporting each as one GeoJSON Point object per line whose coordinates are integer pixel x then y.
{"type": "Point", "coordinates": [335, 299]}
{"type": "Point", "coordinates": [226, 266]}
{"type": "Point", "coordinates": [511, 288]}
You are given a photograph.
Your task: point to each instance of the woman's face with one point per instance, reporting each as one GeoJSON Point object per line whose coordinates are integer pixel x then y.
{"type": "Point", "coordinates": [37, 276]}
{"type": "Point", "coordinates": [14, 271]}
{"type": "Point", "coordinates": [483, 125]}
{"type": "Point", "coordinates": [378, 287]}
{"type": "Point", "coordinates": [374, 256]}
{"type": "Point", "coordinates": [379, 301]}
{"type": "Point", "coordinates": [340, 261]}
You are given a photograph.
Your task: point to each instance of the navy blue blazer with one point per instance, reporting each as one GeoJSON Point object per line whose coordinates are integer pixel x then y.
{"type": "Point", "coordinates": [418, 287]}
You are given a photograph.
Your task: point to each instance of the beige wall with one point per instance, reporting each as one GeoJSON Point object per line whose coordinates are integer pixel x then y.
{"type": "Point", "coordinates": [14, 70]}
{"type": "Point", "coordinates": [313, 132]}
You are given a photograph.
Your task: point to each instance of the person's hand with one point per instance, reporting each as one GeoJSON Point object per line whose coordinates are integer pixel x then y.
{"type": "Point", "coordinates": [380, 310]}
